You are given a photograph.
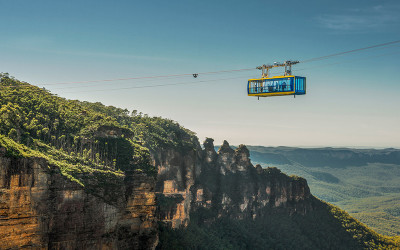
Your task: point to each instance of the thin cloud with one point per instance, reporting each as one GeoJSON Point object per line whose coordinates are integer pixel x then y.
{"type": "Point", "coordinates": [367, 19]}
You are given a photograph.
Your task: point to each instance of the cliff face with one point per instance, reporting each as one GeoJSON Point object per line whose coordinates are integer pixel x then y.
{"type": "Point", "coordinates": [241, 190]}
{"type": "Point", "coordinates": [225, 181]}
{"type": "Point", "coordinates": [177, 172]}
{"type": "Point", "coordinates": [40, 208]}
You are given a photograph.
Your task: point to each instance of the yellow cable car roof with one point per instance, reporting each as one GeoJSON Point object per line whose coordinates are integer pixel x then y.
{"type": "Point", "coordinates": [274, 77]}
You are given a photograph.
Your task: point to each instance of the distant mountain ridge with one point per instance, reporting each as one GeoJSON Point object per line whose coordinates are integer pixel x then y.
{"type": "Point", "coordinates": [324, 157]}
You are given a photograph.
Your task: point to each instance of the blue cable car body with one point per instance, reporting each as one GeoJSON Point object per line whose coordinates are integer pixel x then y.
{"type": "Point", "coordinates": [277, 86]}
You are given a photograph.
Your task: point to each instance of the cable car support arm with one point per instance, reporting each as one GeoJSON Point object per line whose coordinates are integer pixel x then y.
{"type": "Point", "coordinates": [287, 64]}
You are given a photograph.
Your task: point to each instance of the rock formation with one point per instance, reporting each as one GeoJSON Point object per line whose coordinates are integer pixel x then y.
{"type": "Point", "coordinates": [40, 208]}
{"type": "Point", "coordinates": [225, 181]}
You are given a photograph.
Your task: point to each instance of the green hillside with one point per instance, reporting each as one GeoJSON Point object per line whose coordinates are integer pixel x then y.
{"type": "Point", "coordinates": [381, 213]}
{"type": "Point", "coordinates": [86, 141]}
{"type": "Point", "coordinates": [364, 182]}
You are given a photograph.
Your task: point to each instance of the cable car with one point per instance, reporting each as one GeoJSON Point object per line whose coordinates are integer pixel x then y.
{"type": "Point", "coordinates": [287, 84]}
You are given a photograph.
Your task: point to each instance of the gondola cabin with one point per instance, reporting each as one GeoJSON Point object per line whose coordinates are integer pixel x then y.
{"type": "Point", "coordinates": [277, 86]}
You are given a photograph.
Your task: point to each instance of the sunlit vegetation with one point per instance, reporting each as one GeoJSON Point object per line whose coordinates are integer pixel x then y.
{"type": "Point", "coordinates": [154, 132]}
{"type": "Point", "coordinates": [381, 213]}
{"type": "Point", "coordinates": [84, 140]}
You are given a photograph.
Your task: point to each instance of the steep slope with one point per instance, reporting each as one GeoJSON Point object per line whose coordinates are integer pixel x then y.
{"type": "Point", "coordinates": [364, 182]}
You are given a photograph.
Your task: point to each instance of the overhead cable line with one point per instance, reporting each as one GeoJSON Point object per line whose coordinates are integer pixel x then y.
{"type": "Point", "coordinates": [110, 83]}
{"type": "Point", "coordinates": [38, 89]}
{"type": "Point", "coordinates": [201, 81]}
{"type": "Point", "coordinates": [141, 78]}
{"type": "Point", "coordinates": [147, 77]}
{"type": "Point", "coordinates": [227, 71]}
{"type": "Point", "coordinates": [349, 51]}
{"type": "Point", "coordinates": [206, 73]}
{"type": "Point", "coordinates": [348, 61]}
{"type": "Point", "coordinates": [98, 84]}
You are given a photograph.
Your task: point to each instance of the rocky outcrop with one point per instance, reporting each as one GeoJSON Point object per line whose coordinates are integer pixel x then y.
{"type": "Point", "coordinates": [177, 171]}
{"type": "Point", "coordinates": [112, 132]}
{"type": "Point", "coordinates": [40, 208]}
{"type": "Point", "coordinates": [225, 181]}
{"type": "Point", "coordinates": [234, 187]}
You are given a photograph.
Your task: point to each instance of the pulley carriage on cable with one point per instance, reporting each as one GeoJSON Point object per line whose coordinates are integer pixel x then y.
{"type": "Point", "coordinates": [286, 84]}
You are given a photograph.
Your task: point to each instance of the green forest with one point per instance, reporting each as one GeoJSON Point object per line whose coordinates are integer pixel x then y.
{"type": "Point", "coordinates": [84, 140]}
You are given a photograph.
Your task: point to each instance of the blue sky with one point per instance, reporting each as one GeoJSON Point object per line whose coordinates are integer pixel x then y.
{"type": "Point", "coordinates": [352, 100]}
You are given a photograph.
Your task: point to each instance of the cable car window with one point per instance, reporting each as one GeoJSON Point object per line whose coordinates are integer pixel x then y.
{"type": "Point", "coordinates": [287, 85]}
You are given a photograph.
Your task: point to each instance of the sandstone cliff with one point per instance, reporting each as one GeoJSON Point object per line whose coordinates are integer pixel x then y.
{"type": "Point", "coordinates": [225, 181]}
{"type": "Point", "coordinates": [178, 170]}
{"type": "Point", "coordinates": [40, 208]}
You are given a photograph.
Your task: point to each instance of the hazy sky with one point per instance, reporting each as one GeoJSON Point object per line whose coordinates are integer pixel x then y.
{"type": "Point", "coordinates": [352, 100]}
